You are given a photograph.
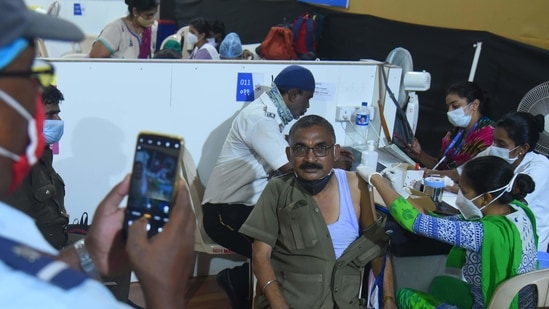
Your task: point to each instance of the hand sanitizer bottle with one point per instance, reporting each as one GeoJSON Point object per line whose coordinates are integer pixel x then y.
{"type": "Point", "coordinates": [370, 156]}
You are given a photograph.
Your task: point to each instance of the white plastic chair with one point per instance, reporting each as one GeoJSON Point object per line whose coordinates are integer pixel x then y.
{"type": "Point", "coordinates": [41, 49]}
{"type": "Point", "coordinates": [202, 242]}
{"type": "Point", "coordinates": [181, 33]}
{"type": "Point", "coordinates": [54, 9]}
{"type": "Point", "coordinates": [173, 37]}
{"type": "Point", "coordinates": [76, 55]}
{"type": "Point", "coordinates": [85, 46]}
{"type": "Point", "coordinates": [506, 291]}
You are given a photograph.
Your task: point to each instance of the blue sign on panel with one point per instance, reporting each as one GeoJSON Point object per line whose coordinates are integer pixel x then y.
{"type": "Point", "coordinates": [244, 87]}
{"type": "Point", "coordinates": [336, 3]}
{"type": "Point", "coordinates": [77, 9]}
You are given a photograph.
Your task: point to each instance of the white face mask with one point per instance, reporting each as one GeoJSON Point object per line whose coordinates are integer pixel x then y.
{"type": "Point", "coordinates": [53, 130]}
{"type": "Point", "coordinates": [458, 118]}
{"type": "Point", "coordinates": [503, 153]}
{"type": "Point", "coordinates": [470, 211]}
{"type": "Point", "coordinates": [191, 39]}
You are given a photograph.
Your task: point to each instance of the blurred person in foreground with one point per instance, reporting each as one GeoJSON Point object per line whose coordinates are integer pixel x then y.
{"type": "Point", "coordinates": [42, 194]}
{"type": "Point", "coordinates": [32, 273]}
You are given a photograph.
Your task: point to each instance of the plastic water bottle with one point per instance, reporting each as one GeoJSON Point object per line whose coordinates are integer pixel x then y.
{"type": "Point", "coordinates": [361, 119]}
{"type": "Point", "coordinates": [370, 156]}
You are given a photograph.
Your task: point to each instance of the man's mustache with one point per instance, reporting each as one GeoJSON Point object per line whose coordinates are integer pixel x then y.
{"type": "Point", "coordinates": [304, 166]}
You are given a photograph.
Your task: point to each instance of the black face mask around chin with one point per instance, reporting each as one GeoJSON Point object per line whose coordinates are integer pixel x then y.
{"type": "Point", "coordinates": [314, 186]}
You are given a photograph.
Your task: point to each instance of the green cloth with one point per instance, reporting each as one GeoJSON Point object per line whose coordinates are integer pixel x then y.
{"type": "Point", "coordinates": [404, 213]}
{"type": "Point", "coordinates": [412, 299]}
{"type": "Point", "coordinates": [501, 252]}
{"type": "Point", "coordinates": [452, 290]}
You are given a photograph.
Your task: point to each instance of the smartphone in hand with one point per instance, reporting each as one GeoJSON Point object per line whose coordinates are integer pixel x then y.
{"type": "Point", "coordinates": [154, 174]}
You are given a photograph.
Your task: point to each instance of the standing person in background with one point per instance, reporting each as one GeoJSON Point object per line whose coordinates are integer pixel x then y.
{"type": "Point", "coordinates": [468, 108]}
{"type": "Point", "coordinates": [130, 37]}
{"type": "Point", "coordinates": [199, 31]}
{"type": "Point", "coordinates": [42, 193]}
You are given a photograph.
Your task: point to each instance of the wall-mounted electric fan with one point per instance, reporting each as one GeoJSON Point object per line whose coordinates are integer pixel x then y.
{"type": "Point", "coordinates": [535, 102]}
{"type": "Point", "coordinates": [410, 82]}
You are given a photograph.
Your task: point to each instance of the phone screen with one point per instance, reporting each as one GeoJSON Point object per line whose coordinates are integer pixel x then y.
{"type": "Point", "coordinates": [154, 173]}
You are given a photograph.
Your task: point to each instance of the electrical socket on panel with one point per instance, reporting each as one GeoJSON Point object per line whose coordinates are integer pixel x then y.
{"type": "Point", "coordinates": [344, 113]}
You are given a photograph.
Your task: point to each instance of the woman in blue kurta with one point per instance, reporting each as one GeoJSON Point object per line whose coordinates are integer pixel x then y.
{"type": "Point", "coordinates": [494, 238]}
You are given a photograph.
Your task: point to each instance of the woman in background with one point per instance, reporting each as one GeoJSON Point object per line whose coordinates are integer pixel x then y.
{"type": "Point", "coordinates": [472, 131]}
{"type": "Point", "coordinates": [130, 37]}
{"type": "Point", "coordinates": [199, 31]}
{"type": "Point", "coordinates": [494, 238]}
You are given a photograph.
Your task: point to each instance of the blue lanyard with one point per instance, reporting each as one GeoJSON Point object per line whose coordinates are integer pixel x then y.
{"type": "Point", "coordinates": [457, 138]}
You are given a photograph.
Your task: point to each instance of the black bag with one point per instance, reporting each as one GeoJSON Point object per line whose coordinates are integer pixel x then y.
{"type": "Point", "coordinates": [405, 243]}
{"type": "Point", "coordinates": [79, 227]}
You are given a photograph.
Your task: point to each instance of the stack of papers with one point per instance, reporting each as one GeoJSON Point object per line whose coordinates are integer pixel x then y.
{"type": "Point", "coordinates": [394, 151]}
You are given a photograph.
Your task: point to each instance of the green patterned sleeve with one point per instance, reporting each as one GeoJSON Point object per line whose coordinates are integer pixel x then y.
{"type": "Point", "coordinates": [404, 213]}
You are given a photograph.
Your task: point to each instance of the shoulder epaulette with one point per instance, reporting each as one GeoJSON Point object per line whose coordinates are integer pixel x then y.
{"type": "Point", "coordinates": [23, 258]}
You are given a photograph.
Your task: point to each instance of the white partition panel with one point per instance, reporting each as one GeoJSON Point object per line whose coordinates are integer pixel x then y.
{"type": "Point", "coordinates": [108, 102]}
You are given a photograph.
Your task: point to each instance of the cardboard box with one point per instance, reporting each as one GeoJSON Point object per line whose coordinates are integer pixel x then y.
{"type": "Point", "coordinates": [422, 200]}
{"type": "Point", "coordinates": [419, 198]}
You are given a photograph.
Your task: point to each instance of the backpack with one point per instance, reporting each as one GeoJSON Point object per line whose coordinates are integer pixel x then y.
{"type": "Point", "coordinates": [307, 30]}
{"type": "Point", "coordinates": [278, 45]}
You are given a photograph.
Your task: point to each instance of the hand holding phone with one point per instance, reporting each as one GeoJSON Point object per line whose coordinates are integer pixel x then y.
{"type": "Point", "coordinates": [154, 174]}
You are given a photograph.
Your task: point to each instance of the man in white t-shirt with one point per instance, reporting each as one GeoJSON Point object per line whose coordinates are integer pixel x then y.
{"type": "Point", "coordinates": [254, 151]}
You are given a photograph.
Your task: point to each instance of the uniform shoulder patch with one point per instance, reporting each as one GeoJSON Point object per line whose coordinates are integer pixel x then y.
{"type": "Point", "coordinates": [25, 259]}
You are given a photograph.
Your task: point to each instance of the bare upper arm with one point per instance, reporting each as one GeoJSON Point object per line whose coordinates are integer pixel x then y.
{"type": "Point", "coordinates": [99, 50]}
{"type": "Point", "coordinates": [362, 199]}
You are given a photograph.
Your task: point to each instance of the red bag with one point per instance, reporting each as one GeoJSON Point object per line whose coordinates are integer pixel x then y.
{"type": "Point", "coordinates": [278, 45]}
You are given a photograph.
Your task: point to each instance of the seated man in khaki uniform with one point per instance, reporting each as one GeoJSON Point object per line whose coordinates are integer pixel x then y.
{"type": "Point", "coordinates": [314, 230]}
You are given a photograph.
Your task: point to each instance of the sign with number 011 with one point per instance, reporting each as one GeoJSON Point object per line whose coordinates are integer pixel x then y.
{"type": "Point", "coordinates": [245, 87]}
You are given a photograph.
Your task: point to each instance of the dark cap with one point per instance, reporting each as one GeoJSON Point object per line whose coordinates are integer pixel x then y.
{"type": "Point", "coordinates": [295, 76]}
{"type": "Point", "coordinates": [16, 21]}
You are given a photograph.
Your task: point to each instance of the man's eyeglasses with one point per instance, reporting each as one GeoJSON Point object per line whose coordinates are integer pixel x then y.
{"type": "Point", "coordinates": [42, 71]}
{"type": "Point", "coordinates": [318, 150]}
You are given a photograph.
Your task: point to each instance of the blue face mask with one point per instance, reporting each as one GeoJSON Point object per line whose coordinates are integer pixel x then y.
{"type": "Point", "coordinates": [53, 131]}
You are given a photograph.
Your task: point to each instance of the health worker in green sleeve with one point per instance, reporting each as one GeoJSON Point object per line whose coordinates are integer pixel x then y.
{"type": "Point", "coordinates": [494, 238]}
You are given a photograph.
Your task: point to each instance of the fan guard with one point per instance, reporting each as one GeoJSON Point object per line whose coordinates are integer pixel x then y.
{"type": "Point", "coordinates": [536, 101]}
{"type": "Point", "coordinates": [401, 57]}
